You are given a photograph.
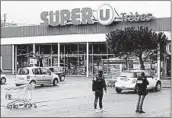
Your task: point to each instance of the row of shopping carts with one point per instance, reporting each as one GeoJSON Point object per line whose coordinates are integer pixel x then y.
{"type": "Point", "coordinates": [19, 97]}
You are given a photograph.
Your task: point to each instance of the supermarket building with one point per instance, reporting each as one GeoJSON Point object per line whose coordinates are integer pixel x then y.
{"type": "Point", "coordinates": [77, 41]}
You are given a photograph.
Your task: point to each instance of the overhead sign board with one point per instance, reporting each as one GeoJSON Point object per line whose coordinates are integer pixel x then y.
{"type": "Point", "coordinates": [105, 15]}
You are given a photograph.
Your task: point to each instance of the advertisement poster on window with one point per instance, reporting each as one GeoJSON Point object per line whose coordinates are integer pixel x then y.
{"type": "Point", "coordinates": [33, 61]}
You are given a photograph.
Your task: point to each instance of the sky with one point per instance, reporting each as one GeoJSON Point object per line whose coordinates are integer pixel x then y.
{"type": "Point", "coordinates": [28, 12]}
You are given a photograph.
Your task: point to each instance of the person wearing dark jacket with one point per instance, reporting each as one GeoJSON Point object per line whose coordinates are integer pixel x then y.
{"type": "Point", "coordinates": [97, 87]}
{"type": "Point", "coordinates": [142, 83]}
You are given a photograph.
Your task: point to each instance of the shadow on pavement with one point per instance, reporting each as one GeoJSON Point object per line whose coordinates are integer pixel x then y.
{"type": "Point", "coordinates": [133, 92]}
{"type": "Point", "coordinates": [46, 86]}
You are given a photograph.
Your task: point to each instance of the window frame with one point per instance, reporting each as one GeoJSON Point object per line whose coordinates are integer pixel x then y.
{"type": "Point", "coordinates": [48, 72]}
{"type": "Point", "coordinates": [22, 73]}
{"type": "Point", "coordinates": [39, 71]}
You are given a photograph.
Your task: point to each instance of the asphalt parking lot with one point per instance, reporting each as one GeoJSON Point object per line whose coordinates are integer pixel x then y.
{"type": "Point", "coordinates": [74, 98]}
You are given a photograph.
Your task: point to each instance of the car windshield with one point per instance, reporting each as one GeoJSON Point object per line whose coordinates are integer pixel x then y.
{"type": "Point", "coordinates": [147, 74]}
{"type": "Point", "coordinates": [56, 69]}
{"type": "Point", "coordinates": [23, 71]}
{"type": "Point", "coordinates": [126, 74]}
{"type": "Point", "coordinates": [51, 69]}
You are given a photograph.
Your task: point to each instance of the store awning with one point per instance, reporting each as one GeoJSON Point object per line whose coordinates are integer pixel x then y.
{"type": "Point", "coordinates": [75, 38]}
{"type": "Point", "coordinates": [55, 39]}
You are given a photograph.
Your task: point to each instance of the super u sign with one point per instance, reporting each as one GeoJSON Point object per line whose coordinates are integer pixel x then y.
{"type": "Point", "coordinates": [105, 15]}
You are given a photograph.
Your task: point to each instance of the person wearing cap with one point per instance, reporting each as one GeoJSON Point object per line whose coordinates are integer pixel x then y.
{"type": "Point", "coordinates": [97, 87]}
{"type": "Point", "coordinates": [142, 83]}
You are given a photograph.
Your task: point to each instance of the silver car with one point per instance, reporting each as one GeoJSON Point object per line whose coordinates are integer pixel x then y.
{"type": "Point", "coordinates": [36, 76]}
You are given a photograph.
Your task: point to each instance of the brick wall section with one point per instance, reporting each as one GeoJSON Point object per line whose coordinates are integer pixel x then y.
{"type": "Point", "coordinates": [158, 24]}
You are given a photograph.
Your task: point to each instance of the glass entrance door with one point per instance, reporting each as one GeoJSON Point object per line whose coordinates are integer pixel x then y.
{"type": "Point", "coordinates": [73, 58]}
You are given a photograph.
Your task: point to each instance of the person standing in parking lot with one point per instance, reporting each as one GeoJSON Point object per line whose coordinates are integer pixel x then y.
{"type": "Point", "coordinates": [97, 87]}
{"type": "Point", "coordinates": [142, 83]}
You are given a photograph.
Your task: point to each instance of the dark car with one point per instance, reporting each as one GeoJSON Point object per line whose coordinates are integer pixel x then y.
{"type": "Point", "coordinates": [58, 71]}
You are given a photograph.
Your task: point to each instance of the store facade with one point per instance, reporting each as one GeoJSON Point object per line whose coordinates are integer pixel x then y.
{"type": "Point", "coordinates": [73, 56]}
{"type": "Point", "coordinates": [76, 46]}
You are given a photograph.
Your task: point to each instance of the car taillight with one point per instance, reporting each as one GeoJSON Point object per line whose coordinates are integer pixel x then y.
{"type": "Point", "coordinates": [28, 77]}
{"type": "Point", "coordinates": [134, 81]}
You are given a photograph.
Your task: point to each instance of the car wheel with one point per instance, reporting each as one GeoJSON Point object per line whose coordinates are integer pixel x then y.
{"type": "Point", "coordinates": [55, 82]}
{"type": "Point", "coordinates": [118, 90]}
{"type": "Point", "coordinates": [33, 83]}
{"type": "Point", "coordinates": [158, 86]}
{"type": "Point", "coordinates": [62, 78]}
{"type": "Point", "coordinates": [3, 80]}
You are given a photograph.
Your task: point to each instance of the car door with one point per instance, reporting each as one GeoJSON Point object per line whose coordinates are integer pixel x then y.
{"type": "Point", "coordinates": [150, 80]}
{"type": "Point", "coordinates": [46, 75]}
{"type": "Point", "coordinates": [38, 75]}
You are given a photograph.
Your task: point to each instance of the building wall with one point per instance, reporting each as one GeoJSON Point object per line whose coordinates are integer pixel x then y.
{"type": "Point", "coordinates": [6, 53]}
{"type": "Point", "coordinates": [158, 24]}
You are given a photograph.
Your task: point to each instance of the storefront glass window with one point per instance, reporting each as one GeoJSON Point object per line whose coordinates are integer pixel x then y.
{"type": "Point", "coordinates": [97, 48]}
{"type": "Point", "coordinates": [46, 49]}
{"type": "Point", "coordinates": [23, 56]}
{"type": "Point", "coordinates": [55, 49]}
{"type": "Point", "coordinates": [37, 48]}
{"type": "Point", "coordinates": [82, 48]}
{"type": "Point", "coordinates": [102, 48]}
{"type": "Point", "coordinates": [30, 48]}
{"type": "Point", "coordinates": [71, 49]}
{"type": "Point", "coordinates": [73, 56]}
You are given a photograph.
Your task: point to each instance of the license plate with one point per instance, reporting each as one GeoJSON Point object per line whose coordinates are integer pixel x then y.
{"type": "Point", "coordinates": [139, 81]}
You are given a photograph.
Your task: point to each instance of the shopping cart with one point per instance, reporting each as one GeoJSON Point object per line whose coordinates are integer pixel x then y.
{"type": "Point", "coordinates": [20, 96]}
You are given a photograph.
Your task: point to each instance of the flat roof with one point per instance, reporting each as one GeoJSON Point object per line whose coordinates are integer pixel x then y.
{"type": "Point", "coordinates": [157, 24]}
{"type": "Point", "coordinates": [75, 38]}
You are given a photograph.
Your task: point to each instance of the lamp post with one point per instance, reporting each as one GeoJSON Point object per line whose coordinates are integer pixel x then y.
{"type": "Point", "coordinates": [159, 62]}
{"type": "Point", "coordinates": [126, 61]}
{"type": "Point", "coordinates": [5, 18]}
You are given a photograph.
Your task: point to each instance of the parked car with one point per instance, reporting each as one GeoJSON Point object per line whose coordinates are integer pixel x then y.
{"type": "Point", "coordinates": [3, 77]}
{"type": "Point", "coordinates": [36, 76]}
{"type": "Point", "coordinates": [110, 80]}
{"type": "Point", "coordinates": [58, 71]}
{"type": "Point", "coordinates": [127, 80]}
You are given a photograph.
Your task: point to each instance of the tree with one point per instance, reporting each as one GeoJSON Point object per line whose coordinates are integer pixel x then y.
{"type": "Point", "coordinates": [40, 57]}
{"type": "Point", "coordinates": [140, 42]}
